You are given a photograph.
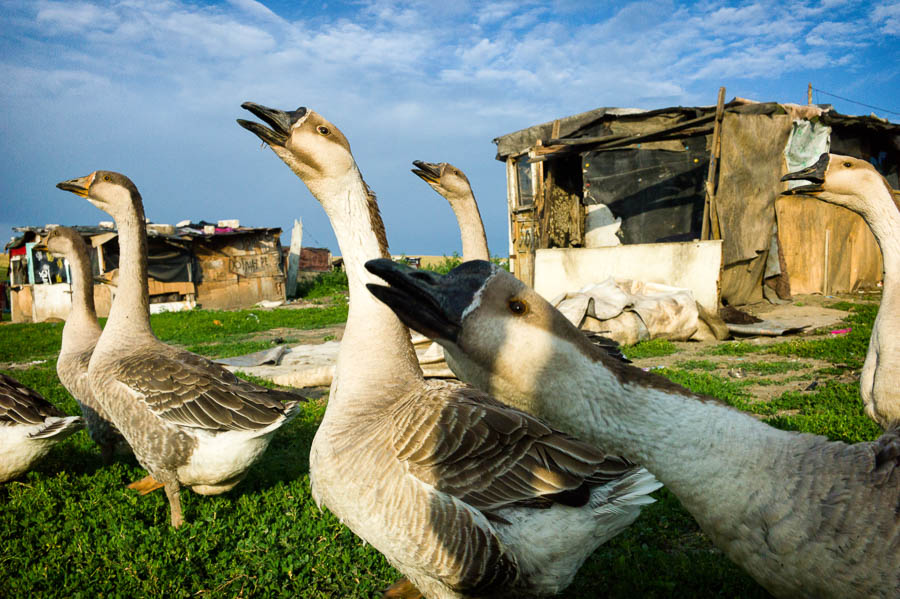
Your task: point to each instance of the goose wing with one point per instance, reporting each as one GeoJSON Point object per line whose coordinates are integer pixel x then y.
{"type": "Point", "coordinates": [189, 390]}
{"type": "Point", "coordinates": [21, 405]}
{"type": "Point", "coordinates": [492, 456]}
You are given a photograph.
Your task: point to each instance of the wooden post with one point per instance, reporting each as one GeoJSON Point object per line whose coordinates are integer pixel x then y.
{"type": "Point", "coordinates": [294, 258]}
{"type": "Point", "coordinates": [710, 226]}
{"type": "Point", "coordinates": [809, 94]}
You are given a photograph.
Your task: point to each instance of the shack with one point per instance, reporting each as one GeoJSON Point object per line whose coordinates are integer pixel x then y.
{"type": "Point", "coordinates": [192, 264]}
{"type": "Point", "coordinates": [689, 196]}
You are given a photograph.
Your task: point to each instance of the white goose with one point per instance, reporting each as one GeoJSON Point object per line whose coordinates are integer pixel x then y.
{"type": "Point", "coordinates": [29, 427]}
{"type": "Point", "coordinates": [465, 496]}
{"type": "Point", "coordinates": [189, 421]}
{"type": "Point", "coordinates": [79, 337]}
{"type": "Point", "coordinates": [804, 516]}
{"type": "Point", "coordinates": [454, 186]}
{"type": "Point", "coordinates": [855, 184]}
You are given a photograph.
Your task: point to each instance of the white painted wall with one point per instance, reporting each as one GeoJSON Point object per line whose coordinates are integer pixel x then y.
{"type": "Point", "coordinates": [694, 265]}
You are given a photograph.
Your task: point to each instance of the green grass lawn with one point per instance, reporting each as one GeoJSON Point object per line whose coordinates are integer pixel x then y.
{"type": "Point", "coordinates": [70, 528]}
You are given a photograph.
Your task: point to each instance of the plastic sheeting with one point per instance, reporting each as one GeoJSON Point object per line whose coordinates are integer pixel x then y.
{"type": "Point", "coordinates": [629, 311]}
{"type": "Point", "coordinates": [658, 194]}
{"type": "Point", "coordinates": [165, 262]}
{"type": "Point", "coordinates": [749, 182]}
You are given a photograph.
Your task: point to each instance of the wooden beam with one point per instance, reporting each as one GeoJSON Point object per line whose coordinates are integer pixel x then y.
{"type": "Point", "coordinates": [294, 258]}
{"type": "Point", "coordinates": [710, 227]}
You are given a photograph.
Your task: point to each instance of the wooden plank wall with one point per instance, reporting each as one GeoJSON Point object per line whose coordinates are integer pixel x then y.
{"type": "Point", "coordinates": [853, 259]}
{"type": "Point", "coordinates": [239, 271]}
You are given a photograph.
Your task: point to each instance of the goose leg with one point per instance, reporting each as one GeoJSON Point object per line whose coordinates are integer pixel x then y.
{"type": "Point", "coordinates": [172, 492]}
{"type": "Point", "coordinates": [146, 485]}
{"type": "Point", "coordinates": [402, 589]}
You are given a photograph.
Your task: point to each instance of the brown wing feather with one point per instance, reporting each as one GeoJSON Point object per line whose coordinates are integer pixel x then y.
{"type": "Point", "coordinates": [491, 456]}
{"type": "Point", "coordinates": [189, 390]}
{"type": "Point", "coordinates": [21, 405]}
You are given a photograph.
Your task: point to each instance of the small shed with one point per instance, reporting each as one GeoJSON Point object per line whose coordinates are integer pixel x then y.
{"type": "Point", "coordinates": [215, 267]}
{"type": "Point", "coordinates": [682, 178]}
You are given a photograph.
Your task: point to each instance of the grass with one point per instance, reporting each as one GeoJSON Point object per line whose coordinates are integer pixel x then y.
{"type": "Point", "coordinates": [652, 348]}
{"type": "Point", "coordinates": [70, 528]}
{"type": "Point", "coordinates": [326, 284]}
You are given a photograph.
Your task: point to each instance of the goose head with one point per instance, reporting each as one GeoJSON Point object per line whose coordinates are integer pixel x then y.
{"type": "Point", "coordinates": [63, 241]}
{"type": "Point", "coordinates": [444, 178]}
{"type": "Point", "coordinates": [111, 192]}
{"type": "Point", "coordinates": [845, 181]}
{"type": "Point", "coordinates": [312, 147]}
{"type": "Point", "coordinates": [490, 324]}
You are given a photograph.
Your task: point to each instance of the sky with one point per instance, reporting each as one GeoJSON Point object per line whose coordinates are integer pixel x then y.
{"type": "Point", "coordinates": [152, 88]}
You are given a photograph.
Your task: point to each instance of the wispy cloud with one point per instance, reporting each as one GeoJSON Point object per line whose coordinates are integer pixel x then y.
{"type": "Point", "coordinates": [445, 77]}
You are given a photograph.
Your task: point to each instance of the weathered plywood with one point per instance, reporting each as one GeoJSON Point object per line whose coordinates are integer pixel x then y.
{"type": "Point", "coordinates": [257, 264]}
{"type": "Point", "coordinates": [693, 265]}
{"type": "Point", "coordinates": [159, 288]}
{"type": "Point", "coordinates": [315, 259]}
{"type": "Point", "coordinates": [21, 303]}
{"type": "Point", "coordinates": [222, 295]}
{"type": "Point", "coordinates": [853, 259]}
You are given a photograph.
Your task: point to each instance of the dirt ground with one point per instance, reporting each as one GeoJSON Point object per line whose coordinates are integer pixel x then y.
{"type": "Point", "coordinates": [809, 310]}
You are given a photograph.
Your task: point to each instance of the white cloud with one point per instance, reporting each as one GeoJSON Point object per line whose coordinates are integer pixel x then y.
{"type": "Point", "coordinates": [74, 17]}
{"type": "Point", "coordinates": [888, 16]}
{"type": "Point", "coordinates": [847, 33]}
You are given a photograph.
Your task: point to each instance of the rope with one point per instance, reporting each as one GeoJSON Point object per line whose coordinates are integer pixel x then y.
{"type": "Point", "coordinates": [855, 102]}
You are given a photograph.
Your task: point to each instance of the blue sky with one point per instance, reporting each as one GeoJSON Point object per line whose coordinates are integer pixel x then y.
{"type": "Point", "coordinates": [152, 88]}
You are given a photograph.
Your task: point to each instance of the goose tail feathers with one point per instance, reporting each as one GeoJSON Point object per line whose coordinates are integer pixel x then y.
{"type": "Point", "coordinates": [631, 490]}
{"type": "Point", "coordinates": [58, 428]}
{"type": "Point", "coordinates": [291, 409]}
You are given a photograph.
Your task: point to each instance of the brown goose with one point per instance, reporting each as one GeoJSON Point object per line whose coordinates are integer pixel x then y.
{"type": "Point", "coordinates": [804, 516]}
{"type": "Point", "coordinates": [79, 337]}
{"type": "Point", "coordinates": [189, 421]}
{"type": "Point", "coordinates": [29, 426]}
{"type": "Point", "coordinates": [454, 186]}
{"type": "Point", "coordinates": [465, 496]}
{"type": "Point", "coordinates": [855, 184]}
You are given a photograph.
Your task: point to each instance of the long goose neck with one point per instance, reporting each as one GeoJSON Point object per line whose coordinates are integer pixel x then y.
{"type": "Point", "coordinates": [711, 456]}
{"type": "Point", "coordinates": [130, 311]}
{"type": "Point", "coordinates": [471, 228]}
{"type": "Point", "coordinates": [81, 329]}
{"type": "Point", "coordinates": [376, 351]}
{"type": "Point", "coordinates": [877, 207]}
{"type": "Point", "coordinates": [881, 214]}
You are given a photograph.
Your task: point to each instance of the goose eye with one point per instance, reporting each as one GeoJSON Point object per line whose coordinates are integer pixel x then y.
{"type": "Point", "coordinates": [847, 164]}
{"type": "Point", "coordinates": [106, 177]}
{"type": "Point", "coordinates": [517, 307]}
{"type": "Point", "coordinates": [323, 130]}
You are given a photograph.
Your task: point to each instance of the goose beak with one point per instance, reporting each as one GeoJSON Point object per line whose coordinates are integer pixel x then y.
{"type": "Point", "coordinates": [280, 122]}
{"type": "Point", "coordinates": [80, 186]}
{"type": "Point", "coordinates": [427, 302]}
{"type": "Point", "coordinates": [427, 171]}
{"type": "Point", "coordinates": [814, 173]}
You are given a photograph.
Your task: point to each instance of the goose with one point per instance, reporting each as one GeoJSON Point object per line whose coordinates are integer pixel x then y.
{"type": "Point", "coordinates": [29, 426]}
{"type": "Point", "coordinates": [189, 421]}
{"type": "Point", "coordinates": [79, 337]}
{"type": "Point", "coordinates": [804, 516]}
{"type": "Point", "coordinates": [855, 184]}
{"type": "Point", "coordinates": [454, 186]}
{"type": "Point", "coordinates": [465, 496]}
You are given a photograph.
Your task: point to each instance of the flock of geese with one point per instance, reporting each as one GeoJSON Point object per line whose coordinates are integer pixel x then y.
{"type": "Point", "coordinates": [501, 487]}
